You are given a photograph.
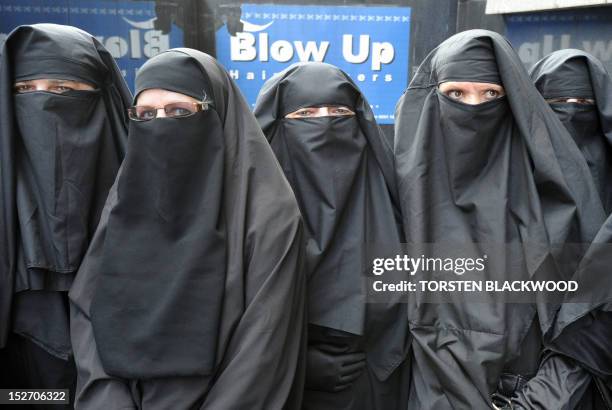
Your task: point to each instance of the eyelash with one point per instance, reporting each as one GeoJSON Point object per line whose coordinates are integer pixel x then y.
{"type": "Point", "coordinates": [23, 88]}
{"type": "Point", "coordinates": [457, 93]}
{"type": "Point", "coordinates": [306, 112]}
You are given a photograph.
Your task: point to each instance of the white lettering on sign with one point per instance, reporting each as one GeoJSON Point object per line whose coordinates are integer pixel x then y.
{"type": "Point", "coordinates": [117, 46]}
{"type": "Point", "coordinates": [264, 75]}
{"type": "Point", "coordinates": [242, 47]}
{"type": "Point", "coordinates": [141, 42]}
{"type": "Point", "coordinates": [246, 46]}
{"type": "Point", "coordinates": [250, 47]}
{"type": "Point", "coordinates": [135, 40]}
{"type": "Point", "coordinates": [381, 53]}
{"type": "Point", "coordinates": [364, 49]}
{"type": "Point", "coordinates": [531, 52]}
{"type": "Point", "coordinates": [312, 51]}
{"type": "Point", "coordinates": [281, 51]}
{"type": "Point", "coordinates": [155, 42]}
{"type": "Point", "coordinates": [601, 49]}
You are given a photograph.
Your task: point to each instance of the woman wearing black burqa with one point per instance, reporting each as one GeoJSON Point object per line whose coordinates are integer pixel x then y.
{"type": "Point", "coordinates": [579, 90]}
{"type": "Point", "coordinates": [340, 167]}
{"type": "Point", "coordinates": [191, 294]}
{"type": "Point", "coordinates": [499, 170]}
{"type": "Point", "coordinates": [62, 137]}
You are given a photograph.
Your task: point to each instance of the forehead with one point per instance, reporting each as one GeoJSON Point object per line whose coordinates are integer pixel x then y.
{"type": "Point", "coordinates": [159, 96]}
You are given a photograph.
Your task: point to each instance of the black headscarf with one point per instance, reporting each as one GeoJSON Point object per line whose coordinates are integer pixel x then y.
{"type": "Point", "coordinates": [59, 157]}
{"type": "Point", "coordinates": [196, 262]}
{"type": "Point", "coordinates": [583, 330]}
{"type": "Point", "coordinates": [575, 73]}
{"type": "Point", "coordinates": [341, 170]}
{"type": "Point", "coordinates": [501, 172]}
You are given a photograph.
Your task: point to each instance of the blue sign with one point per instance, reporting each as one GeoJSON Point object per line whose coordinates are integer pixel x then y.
{"type": "Point", "coordinates": [126, 28]}
{"type": "Point", "coordinates": [536, 35]}
{"type": "Point", "coordinates": [371, 44]}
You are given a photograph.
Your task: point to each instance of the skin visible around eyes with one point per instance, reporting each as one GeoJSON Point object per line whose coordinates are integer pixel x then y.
{"type": "Point", "coordinates": [471, 93]}
{"type": "Point", "coordinates": [158, 98]}
{"type": "Point", "coordinates": [325, 111]}
{"type": "Point", "coordinates": [50, 85]}
{"type": "Point", "coordinates": [575, 100]}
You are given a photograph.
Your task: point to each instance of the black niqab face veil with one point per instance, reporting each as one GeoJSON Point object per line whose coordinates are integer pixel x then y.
{"type": "Point", "coordinates": [340, 168]}
{"type": "Point", "coordinates": [582, 330]}
{"type": "Point", "coordinates": [577, 74]}
{"type": "Point", "coordinates": [474, 136]}
{"type": "Point", "coordinates": [61, 136]}
{"type": "Point", "coordinates": [59, 157]}
{"type": "Point", "coordinates": [193, 279]}
{"type": "Point", "coordinates": [479, 175]}
{"type": "Point", "coordinates": [157, 308]}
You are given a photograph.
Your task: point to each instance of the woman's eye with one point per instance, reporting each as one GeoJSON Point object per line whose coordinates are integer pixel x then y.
{"type": "Point", "coordinates": [23, 88]}
{"type": "Point", "coordinates": [60, 89]}
{"type": "Point", "coordinates": [304, 113]}
{"type": "Point", "coordinates": [341, 111]}
{"type": "Point", "coordinates": [492, 93]}
{"type": "Point", "coordinates": [585, 101]}
{"type": "Point", "coordinates": [456, 94]}
{"type": "Point", "coordinates": [178, 112]}
{"type": "Point", "coordinates": [148, 114]}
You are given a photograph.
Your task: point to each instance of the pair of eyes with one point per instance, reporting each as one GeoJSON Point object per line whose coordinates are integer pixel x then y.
{"type": "Point", "coordinates": [148, 113]}
{"type": "Point", "coordinates": [309, 112]}
{"type": "Point", "coordinates": [28, 88]}
{"type": "Point", "coordinates": [575, 100]}
{"type": "Point", "coordinates": [489, 94]}
{"type": "Point", "coordinates": [172, 110]}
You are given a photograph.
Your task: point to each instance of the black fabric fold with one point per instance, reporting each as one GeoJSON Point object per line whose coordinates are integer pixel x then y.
{"type": "Point", "coordinates": [186, 76]}
{"type": "Point", "coordinates": [567, 73]}
{"type": "Point", "coordinates": [192, 287]}
{"type": "Point", "coordinates": [575, 73]}
{"type": "Point", "coordinates": [59, 157]}
{"type": "Point", "coordinates": [475, 63]}
{"type": "Point", "coordinates": [501, 173]}
{"type": "Point", "coordinates": [341, 172]}
{"type": "Point", "coordinates": [158, 298]}
{"type": "Point", "coordinates": [582, 330]}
